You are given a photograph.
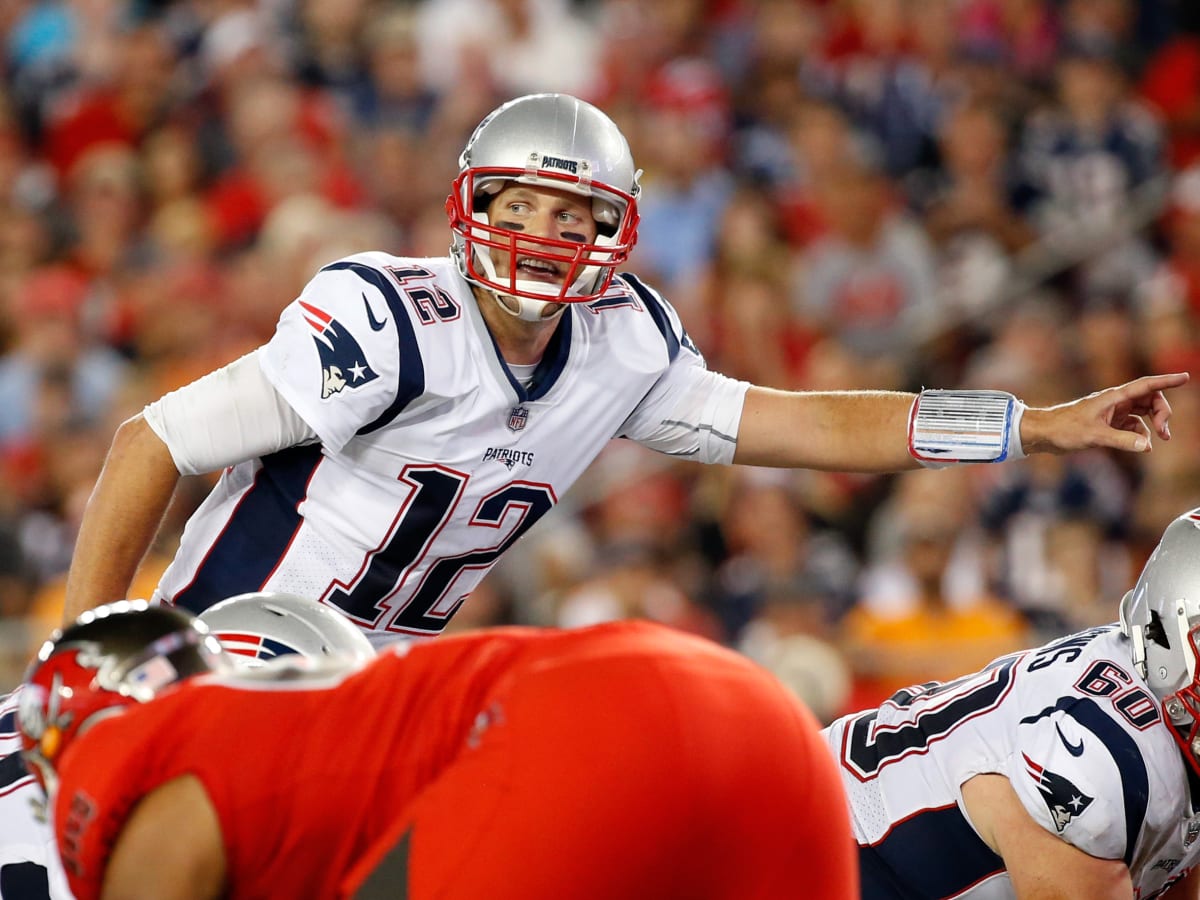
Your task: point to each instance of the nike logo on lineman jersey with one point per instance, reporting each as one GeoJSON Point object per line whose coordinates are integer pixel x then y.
{"type": "Point", "coordinates": [376, 325]}
{"type": "Point", "coordinates": [1073, 749]}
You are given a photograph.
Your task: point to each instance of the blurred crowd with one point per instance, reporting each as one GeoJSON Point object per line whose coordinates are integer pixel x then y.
{"type": "Point", "coordinates": [837, 194]}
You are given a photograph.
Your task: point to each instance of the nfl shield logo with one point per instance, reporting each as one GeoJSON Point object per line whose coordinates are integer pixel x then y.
{"type": "Point", "coordinates": [1191, 831]}
{"type": "Point", "coordinates": [517, 418]}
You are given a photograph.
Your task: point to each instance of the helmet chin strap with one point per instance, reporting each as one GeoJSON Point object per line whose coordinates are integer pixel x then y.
{"type": "Point", "coordinates": [528, 310]}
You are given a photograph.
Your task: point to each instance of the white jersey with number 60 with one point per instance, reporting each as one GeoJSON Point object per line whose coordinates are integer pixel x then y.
{"type": "Point", "coordinates": [1074, 729]}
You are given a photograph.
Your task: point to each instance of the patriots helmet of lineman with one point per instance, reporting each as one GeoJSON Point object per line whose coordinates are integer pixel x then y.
{"type": "Point", "coordinates": [256, 627]}
{"type": "Point", "coordinates": [110, 658]}
{"type": "Point", "coordinates": [549, 141]}
{"type": "Point", "coordinates": [1161, 616]}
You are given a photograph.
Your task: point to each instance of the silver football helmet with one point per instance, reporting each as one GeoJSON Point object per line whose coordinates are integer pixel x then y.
{"type": "Point", "coordinates": [548, 140]}
{"type": "Point", "coordinates": [257, 627]}
{"type": "Point", "coordinates": [1161, 616]}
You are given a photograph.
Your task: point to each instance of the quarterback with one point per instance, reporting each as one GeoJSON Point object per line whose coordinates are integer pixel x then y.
{"type": "Point", "coordinates": [252, 628]}
{"type": "Point", "coordinates": [411, 419]}
{"type": "Point", "coordinates": [1069, 770]}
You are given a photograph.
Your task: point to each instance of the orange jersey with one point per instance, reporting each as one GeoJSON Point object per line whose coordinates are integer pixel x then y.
{"type": "Point", "coordinates": [620, 759]}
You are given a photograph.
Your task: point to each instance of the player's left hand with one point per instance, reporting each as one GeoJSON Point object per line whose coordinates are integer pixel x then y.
{"type": "Point", "coordinates": [1120, 418]}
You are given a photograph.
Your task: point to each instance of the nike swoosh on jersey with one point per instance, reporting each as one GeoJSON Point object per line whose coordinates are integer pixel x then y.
{"type": "Point", "coordinates": [1073, 749]}
{"type": "Point", "coordinates": [375, 324]}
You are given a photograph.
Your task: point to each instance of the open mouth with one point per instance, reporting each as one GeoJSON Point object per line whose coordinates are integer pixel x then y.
{"type": "Point", "coordinates": [538, 270]}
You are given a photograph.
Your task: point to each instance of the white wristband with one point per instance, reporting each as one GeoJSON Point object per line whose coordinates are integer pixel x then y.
{"type": "Point", "coordinates": [949, 427]}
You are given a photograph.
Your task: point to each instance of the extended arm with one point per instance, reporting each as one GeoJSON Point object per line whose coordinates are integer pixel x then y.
{"type": "Point", "coordinates": [1041, 866]}
{"type": "Point", "coordinates": [171, 848]}
{"type": "Point", "coordinates": [121, 519]}
{"type": "Point", "coordinates": [867, 431]}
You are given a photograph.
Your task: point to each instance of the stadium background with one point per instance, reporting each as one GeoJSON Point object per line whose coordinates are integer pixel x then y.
{"type": "Point", "coordinates": [837, 194]}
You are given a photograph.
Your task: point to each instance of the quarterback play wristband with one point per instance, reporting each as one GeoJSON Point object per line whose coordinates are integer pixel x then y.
{"type": "Point", "coordinates": [948, 427]}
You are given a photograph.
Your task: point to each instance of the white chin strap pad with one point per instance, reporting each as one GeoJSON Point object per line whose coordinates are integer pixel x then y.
{"type": "Point", "coordinates": [524, 308]}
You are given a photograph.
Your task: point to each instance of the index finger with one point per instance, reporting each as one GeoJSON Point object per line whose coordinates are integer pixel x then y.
{"type": "Point", "coordinates": [1147, 393]}
{"type": "Point", "coordinates": [1148, 384]}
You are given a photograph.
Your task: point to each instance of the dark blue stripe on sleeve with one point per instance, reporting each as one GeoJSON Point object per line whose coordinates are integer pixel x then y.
{"type": "Point", "coordinates": [1135, 782]}
{"type": "Point", "coordinates": [8, 723]}
{"type": "Point", "coordinates": [12, 770]}
{"type": "Point", "coordinates": [934, 854]}
{"type": "Point", "coordinates": [24, 881]}
{"type": "Point", "coordinates": [411, 381]}
{"type": "Point", "coordinates": [258, 532]}
{"type": "Point", "coordinates": [657, 312]}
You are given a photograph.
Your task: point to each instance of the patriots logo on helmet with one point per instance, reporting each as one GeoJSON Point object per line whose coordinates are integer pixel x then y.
{"type": "Point", "coordinates": [254, 646]}
{"type": "Point", "coordinates": [343, 363]}
{"type": "Point", "coordinates": [1062, 798]}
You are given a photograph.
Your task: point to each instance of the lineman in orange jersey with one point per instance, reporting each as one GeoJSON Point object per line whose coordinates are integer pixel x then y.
{"type": "Point", "coordinates": [624, 760]}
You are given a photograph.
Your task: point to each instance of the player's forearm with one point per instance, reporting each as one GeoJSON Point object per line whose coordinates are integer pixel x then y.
{"type": "Point", "coordinates": [121, 519]}
{"type": "Point", "coordinates": [855, 431]}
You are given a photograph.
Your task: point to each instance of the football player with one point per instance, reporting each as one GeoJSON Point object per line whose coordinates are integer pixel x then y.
{"type": "Point", "coordinates": [412, 418]}
{"type": "Point", "coordinates": [1069, 770]}
{"type": "Point", "coordinates": [622, 760]}
{"type": "Point", "coordinates": [253, 629]}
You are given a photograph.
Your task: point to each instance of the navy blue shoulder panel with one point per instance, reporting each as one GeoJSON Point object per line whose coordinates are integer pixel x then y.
{"type": "Point", "coordinates": [411, 381]}
{"type": "Point", "coordinates": [654, 306]}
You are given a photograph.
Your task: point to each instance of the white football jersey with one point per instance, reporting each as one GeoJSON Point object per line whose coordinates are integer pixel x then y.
{"type": "Point", "coordinates": [433, 459]}
{"type": "Point", "coordinates": [29, 864]}
{"type": "Point", "coordinates": [1075, 730]}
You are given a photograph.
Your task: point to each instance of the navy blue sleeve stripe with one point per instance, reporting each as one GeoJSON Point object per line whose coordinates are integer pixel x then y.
{"type": "Point", "coordinates": [24, 880]}
{"type": "Point", "coordinates": [258, 532]}
{"type": "Point", "coordinates": [411, 382]}
{"type": "Point", "coordinates": [657, 311]}
{"type": "Point", "coordinates": [12, 770]}
{"type": "Point", "coordinates": [935, 853]}
{"type": "Point", "coordinates": [1135, 782]}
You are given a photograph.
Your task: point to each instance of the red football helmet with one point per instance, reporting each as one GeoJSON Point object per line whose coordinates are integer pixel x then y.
{"type": "Point", "coordinates": [111, 657]}
{"type": "Point", "coordinates": [548, 140]}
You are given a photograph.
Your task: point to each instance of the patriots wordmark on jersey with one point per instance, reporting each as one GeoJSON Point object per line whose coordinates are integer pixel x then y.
{"type": "Point", "coordinates": [433, 459]}
{"type": "Point", "coordinates": [1077, 733]}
